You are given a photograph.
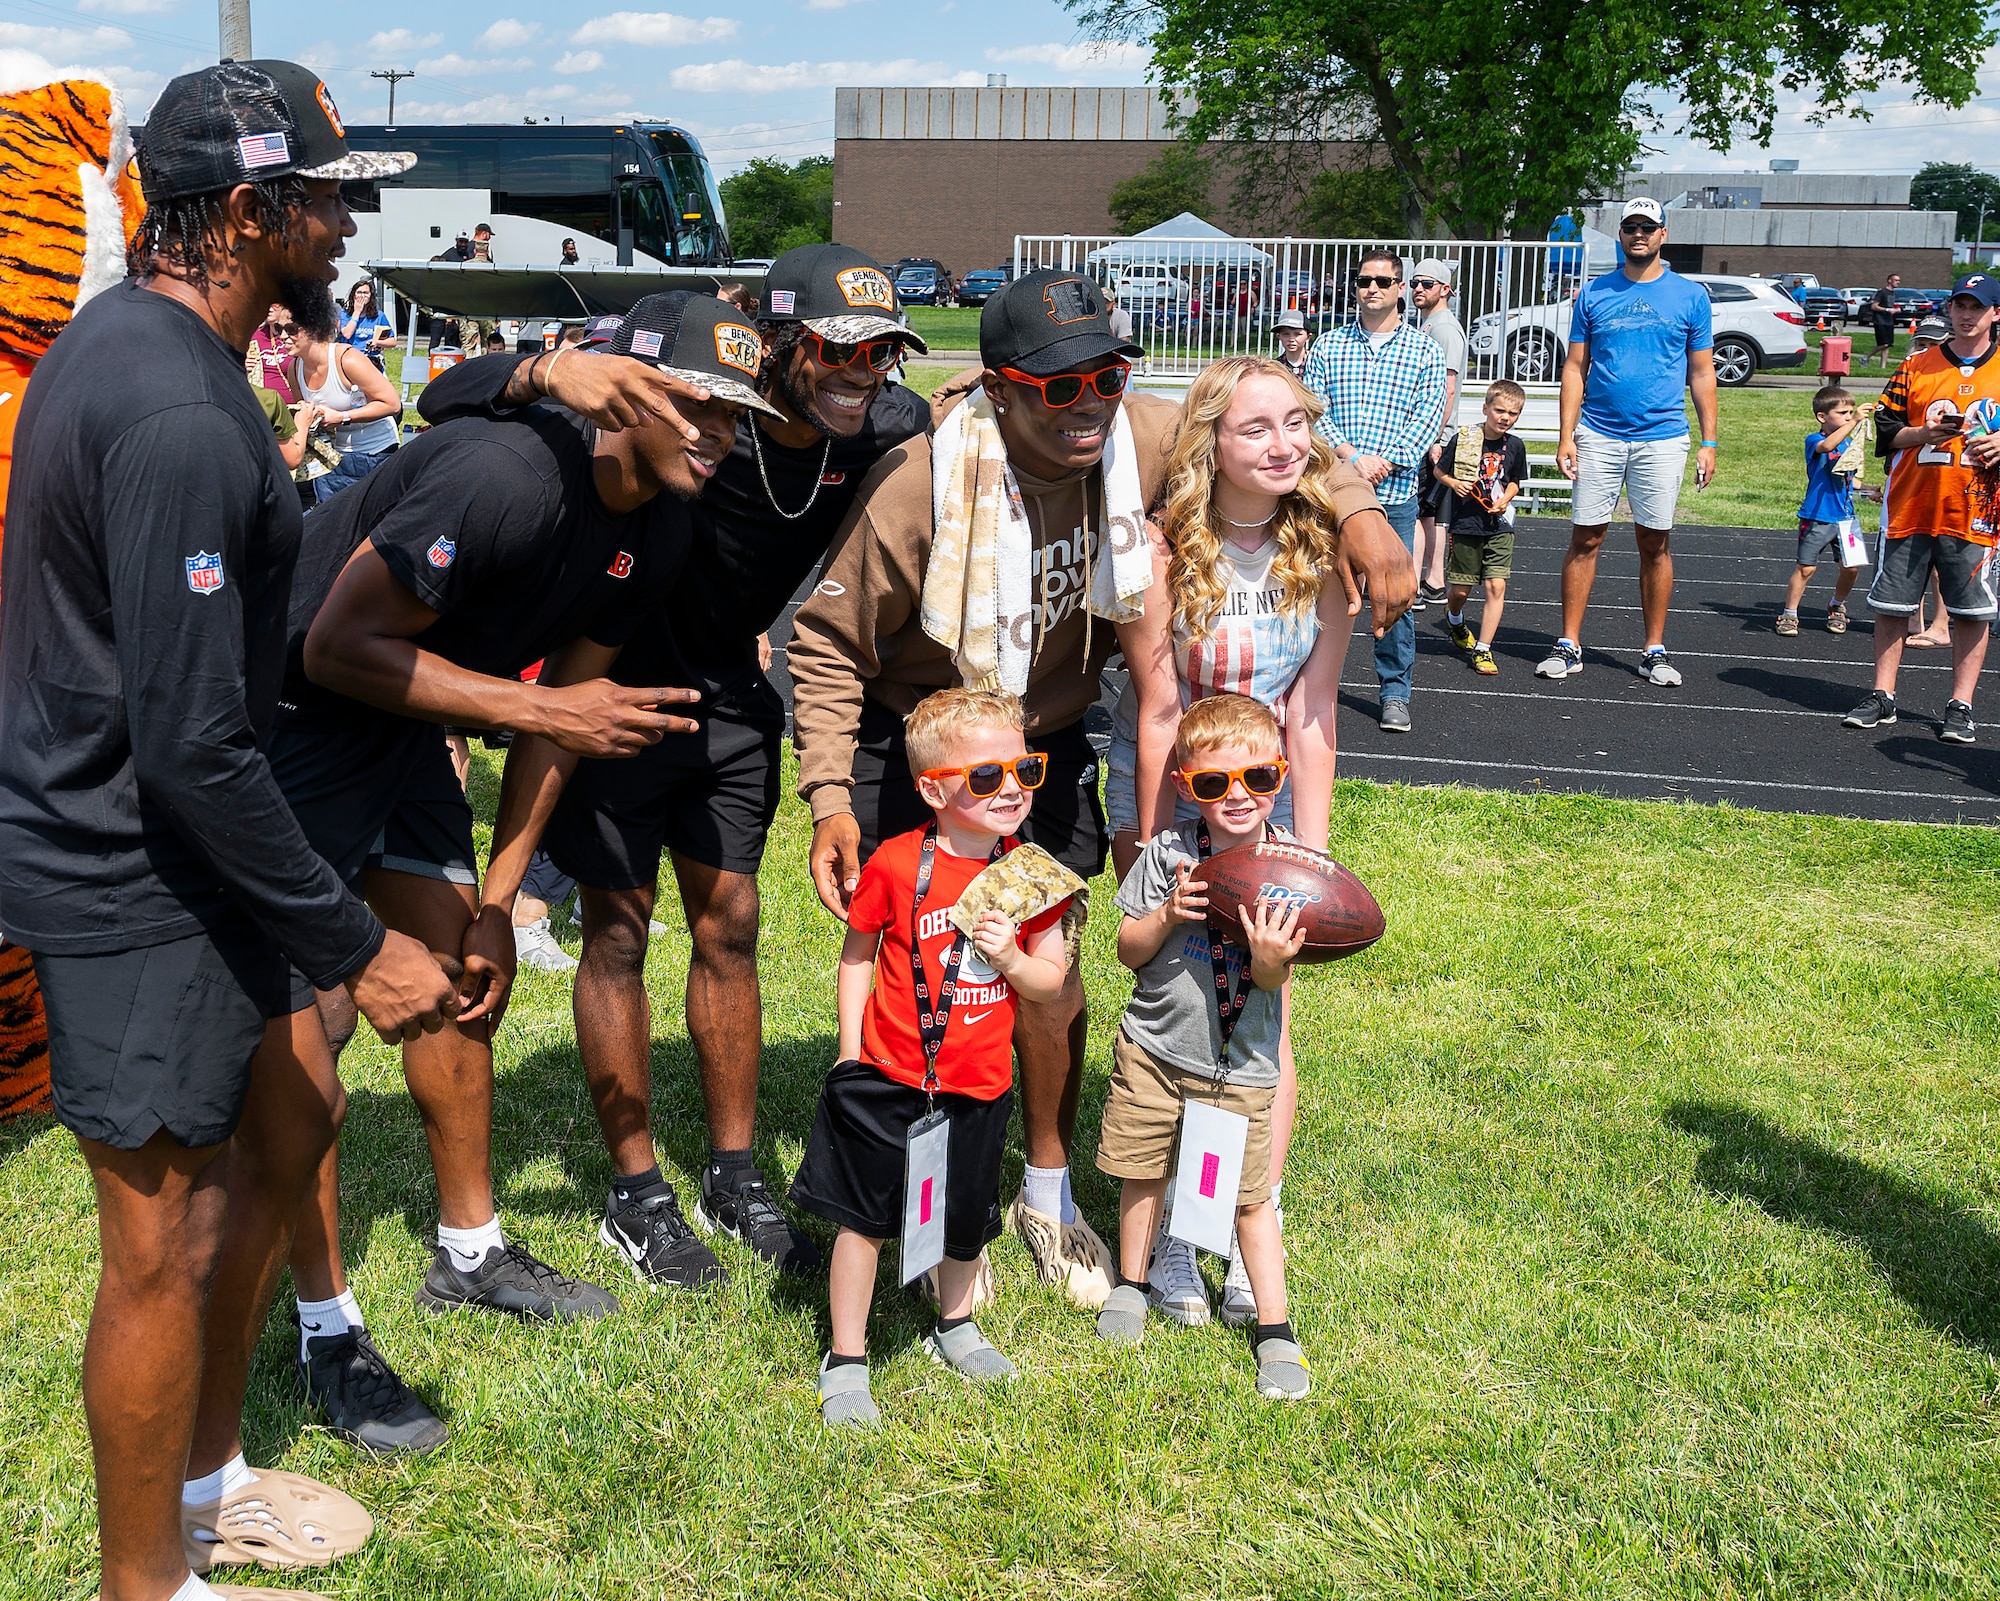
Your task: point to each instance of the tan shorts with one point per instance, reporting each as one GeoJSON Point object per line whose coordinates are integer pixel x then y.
{"type": "Point", "coordinates": [1142, 1119]}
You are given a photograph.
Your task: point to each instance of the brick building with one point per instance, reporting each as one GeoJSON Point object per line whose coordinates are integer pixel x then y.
{"type": "Point", "coordinates": [957, 173]}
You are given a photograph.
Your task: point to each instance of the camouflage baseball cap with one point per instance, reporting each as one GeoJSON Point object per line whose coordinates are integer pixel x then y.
{"type": "Point", "coordinates": [838, 293]}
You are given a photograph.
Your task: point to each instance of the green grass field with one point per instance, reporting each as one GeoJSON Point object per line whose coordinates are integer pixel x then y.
{"type": "Point", "coordinates": [1645, 1237]}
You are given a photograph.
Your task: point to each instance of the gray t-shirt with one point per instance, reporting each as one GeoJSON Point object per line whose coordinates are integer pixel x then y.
{"type": "Point", "coordinates": [1443, 327]}
{"type": "Point", "coordinates": [1172, 1014]}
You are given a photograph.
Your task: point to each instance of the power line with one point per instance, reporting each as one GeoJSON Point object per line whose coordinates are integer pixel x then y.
{"type": "Point", "coordinates": [392, 77]}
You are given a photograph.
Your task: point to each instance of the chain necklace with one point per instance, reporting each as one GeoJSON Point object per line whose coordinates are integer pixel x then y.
{"type": "Point", "coordinates": [1261, 522]}
{"type": "Point", "coordinates": [757, 449]}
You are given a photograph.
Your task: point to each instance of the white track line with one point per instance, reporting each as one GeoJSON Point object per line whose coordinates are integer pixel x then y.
{"type": "Point", "coordinates": [1649, 704]}
{"type": "Point", "coordinates": [1668, 778]}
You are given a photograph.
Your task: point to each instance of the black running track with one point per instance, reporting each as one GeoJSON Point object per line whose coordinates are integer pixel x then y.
{"type": "Point", "coordinates": [1755, 722]}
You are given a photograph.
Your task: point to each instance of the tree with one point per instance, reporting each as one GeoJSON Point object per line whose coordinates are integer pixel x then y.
{"type": "Point", "coordinates": [1954, 186]}
{"type": "Point", "coordinates": [1504, 113]}
{"type": "Point", "coordinates": [1175, 180]}
{"type": "Point", "coordinates": [1356, 203]}
{"type": "Point", "coordinates": [773, 207]}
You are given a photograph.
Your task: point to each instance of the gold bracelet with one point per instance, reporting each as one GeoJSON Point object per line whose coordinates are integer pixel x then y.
{"type": "Point", "coordinates": [550, 373]}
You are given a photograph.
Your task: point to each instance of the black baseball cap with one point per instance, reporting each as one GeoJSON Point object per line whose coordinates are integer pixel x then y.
{"type": "Point", "coordinates": [1048, 322]}
{"type": "Point", "coordinates": [701, 339]}
{"type": "Point", "coordinates": [243, 122]}
{"type": "Point", "coordinates": [600, 331]}
{"type": "Point", "coordinates": [838, 293]}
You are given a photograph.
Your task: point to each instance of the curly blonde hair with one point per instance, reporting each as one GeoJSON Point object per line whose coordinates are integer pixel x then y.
{"type": "Point", "coordinates": [1304, 522]}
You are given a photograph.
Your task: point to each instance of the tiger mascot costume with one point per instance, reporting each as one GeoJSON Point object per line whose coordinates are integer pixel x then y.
{"type": "Point", "coordinates": [69, 199]}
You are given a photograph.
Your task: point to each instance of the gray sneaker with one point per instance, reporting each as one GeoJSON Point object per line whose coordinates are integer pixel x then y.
{"type": "Point", "coordinates": [1564, 661]}
{"type": "Point", "coordinates": [1282, 1374]}
{"type": "Point", "coordinates": [966, 1351]}
{"type": "Point", "coordinates": [844, 1401]}
{"type": "Point", "coordinates": [1958, 724]}
{"type": "Point", "coordinates": [1395, 717]}
{"type": "Point", "coordinates": [1655, 668]}
{"type": "Point", "coordinates": [1877, 711]}
{"type": "Point", "coordinates": [1123, 1320]}
{"type": "Point", "coordinates": [536, 947]}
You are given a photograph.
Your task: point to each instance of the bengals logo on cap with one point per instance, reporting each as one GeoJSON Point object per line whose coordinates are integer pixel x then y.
{"type": "Point", "coordinates": [739, 347]}
{"type": "Point", "coordinates": [1071, 300]}
{"type": "Point", "coordinates": [332, 111]}
{"type": "Point", "coordinates": [866, 286]}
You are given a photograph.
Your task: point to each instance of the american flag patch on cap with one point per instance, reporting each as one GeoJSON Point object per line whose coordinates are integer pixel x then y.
{"type": "Point", "coordinates": [645, 342]}
{"type": "Point", "coordinates": [782, 301]}
{"type": "Point", "coordinates": [264, 150]}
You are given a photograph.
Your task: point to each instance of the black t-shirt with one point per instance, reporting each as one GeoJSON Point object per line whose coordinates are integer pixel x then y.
{"type": "Point", "coordinates": [151, 535]}
{"type": "Point", "coordinates": [1502, 462]}
{"type": "Point", "coordinates": [748, 559]}
{"type": "Point", "coordinates": [495, 524]}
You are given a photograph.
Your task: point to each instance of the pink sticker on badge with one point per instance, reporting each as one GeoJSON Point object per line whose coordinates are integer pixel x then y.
{"type": "Point", "coordinates": [924, 1203]}
{"type": "Point", "coordinates": [1211, 1169]}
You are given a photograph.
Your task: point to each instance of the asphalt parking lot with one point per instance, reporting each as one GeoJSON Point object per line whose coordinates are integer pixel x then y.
{"type": "Point", "coordinates": [1755, 722]}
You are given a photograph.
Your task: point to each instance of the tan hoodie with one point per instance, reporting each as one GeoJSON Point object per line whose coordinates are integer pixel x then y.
{"type": "Point", "coordinates": [860, 633]}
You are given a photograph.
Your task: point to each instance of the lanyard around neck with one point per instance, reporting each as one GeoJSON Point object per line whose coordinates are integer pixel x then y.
{"type": "Point", "coordinates": [1228, 1008]}
{"type": "Point", "coordinates": [931, 1022]}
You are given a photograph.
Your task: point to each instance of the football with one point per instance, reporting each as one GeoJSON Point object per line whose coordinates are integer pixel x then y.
{"type": "Point", "coordinates": [1338, 914]}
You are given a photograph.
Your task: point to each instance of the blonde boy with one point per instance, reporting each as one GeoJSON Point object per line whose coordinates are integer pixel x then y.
{"type": "Point", "coordinates": [1173, 1045]}
{"type": "Point", "coordinates": [975, 773]}
{"type": "Point", "coordinates": [1480, 511]}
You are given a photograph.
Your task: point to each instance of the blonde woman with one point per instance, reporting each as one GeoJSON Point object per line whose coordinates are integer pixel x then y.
{"type": "Point", "coordinates": [1240, 604]}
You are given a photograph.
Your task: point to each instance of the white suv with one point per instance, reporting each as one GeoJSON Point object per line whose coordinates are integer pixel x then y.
{"type": "Point", "coordinates": [1756, 324]}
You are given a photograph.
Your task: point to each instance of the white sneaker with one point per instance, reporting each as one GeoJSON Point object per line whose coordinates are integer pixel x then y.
{"type": "Point", "coordinates": [1174, 1283]}
{"type": "Point", "coordinates": [1239, 1304]}
{"type": "Point", "coordinates": [536, 947]}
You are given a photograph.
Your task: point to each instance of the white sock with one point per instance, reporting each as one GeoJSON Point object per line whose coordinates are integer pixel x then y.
{"type": "Point", "coordinates": [468, 1247]}
{"type": "Point", "coordinates": [321, 1320]}
{"type": "Point", "coordinates": [1456, 618]}
{"type": "Point", "coordinates": [1043, 1187]}
{"type": "Point", "coordinates": [196, 1589]}
{"type": "Point", "coordinates": [1068, 1200]}
{"type": "Point", "coordinates": [225, 1480]}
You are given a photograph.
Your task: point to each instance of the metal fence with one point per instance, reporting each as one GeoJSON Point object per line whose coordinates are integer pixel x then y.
{"type": "Point", "coordinates": [1193, 300]}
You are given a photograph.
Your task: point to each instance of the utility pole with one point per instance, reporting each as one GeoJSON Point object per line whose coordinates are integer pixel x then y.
{"type": "Point", "coordinates": [394, 78]}
{"type": "Point", "coordinates": [235, 18]}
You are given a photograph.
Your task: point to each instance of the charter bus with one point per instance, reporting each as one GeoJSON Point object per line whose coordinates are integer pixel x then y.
{"type": "Point", "coordinates": [629, 194]}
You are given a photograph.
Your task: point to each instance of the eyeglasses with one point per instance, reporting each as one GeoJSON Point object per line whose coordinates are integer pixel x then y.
{"type": "Point", "coordinates": [1066, 388]}
{"type": "Point", "coordinates": [1638, 225]}
{"type": "Point", "coordinates": [881, 355]}
{"type": "Point", "coordinates": [1214, 783]}
{"type": "Point", "coordinates": [983, 779]}
{"type": "Point", "coordinates": [1370, 281]}
{"type": "Point", "coordinates": [1424, 283]}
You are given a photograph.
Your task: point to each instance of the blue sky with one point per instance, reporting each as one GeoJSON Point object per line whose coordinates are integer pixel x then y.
{"type": "Point", "coordinates": [760, 81]}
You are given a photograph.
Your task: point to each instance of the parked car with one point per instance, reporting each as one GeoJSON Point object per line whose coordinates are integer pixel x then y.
{"type": "Point", "coordinates": [1146, 287]}
{"type": "Point", "coordinates": [1819, 301]}
{"type": "Point", "coordinates": [1756, 323]}
{"type": "Point", "coordinates": [925, 283]}
{"type": "Point", "coordinates": [976, 288]}
{"type": "Point", "coordinates": [1793, 282]}
{"type": "Point", "coordinates": [1857, 299]}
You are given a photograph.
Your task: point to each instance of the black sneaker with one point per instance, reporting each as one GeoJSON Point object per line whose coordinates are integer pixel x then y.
{"type": "Point", "coordinates": [657, 1245]}
{"type": "Point", "coordinates": [1958, 724]}
{"type": "Point", "coordinates": [746, 1212]}
{"type": "Point", "coordinates": [363, 1400]}
{"type": "Point", "coordinates": [510, 1280]}
{"type": "Point", "coordinates": [1433, 594]}
{"type": "Point", "coordinates": [1878, 709]}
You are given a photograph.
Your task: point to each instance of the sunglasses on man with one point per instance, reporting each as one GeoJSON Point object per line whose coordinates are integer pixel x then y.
{"type": "Point", "coordinates": [879, 355]}
{"type": "Point", "coordinates": [1066, 388]}
{"type": "Point", "coordinates": [1372, 281]}
{"type": "Point", "coordinates": [1638, 225]}
{"type": "Point", "coordinates": [983, 779]}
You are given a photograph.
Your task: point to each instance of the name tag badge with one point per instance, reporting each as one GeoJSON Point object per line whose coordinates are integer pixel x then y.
{"type": "Point", "coordinates": [1209, 1176]}
{"type": "Point", "coordinates": [923, 1194]}
{"type": "Point", "coordinates": [1853, 548]}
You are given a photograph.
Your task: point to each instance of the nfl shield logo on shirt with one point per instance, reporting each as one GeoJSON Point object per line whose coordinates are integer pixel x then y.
{"type": "Point", "coordinates": [204, 572]}
{"type": "Point", "coordinates": [441, 553]}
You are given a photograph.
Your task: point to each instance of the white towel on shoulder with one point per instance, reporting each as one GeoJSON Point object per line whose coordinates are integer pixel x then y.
{"type": "Point", "coordinates": [978, 599]}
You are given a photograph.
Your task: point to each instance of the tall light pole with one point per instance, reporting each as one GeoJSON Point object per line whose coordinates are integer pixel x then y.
{"type": "Point", "coordinates": [394, 78]}
{"type": "Point", "coordinates": [235, 30]}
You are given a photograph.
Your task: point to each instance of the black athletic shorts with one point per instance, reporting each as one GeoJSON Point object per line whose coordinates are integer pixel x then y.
{"type": "Point", "coordinates": [376, 792]}
{"type": "Point", "coordinates": [859, 1149]}
{"type": "Point", "coordinates": [709, 796]}
{"type": "Point", "coordinates": [1903, 569]}
{"type": "Point", "coordinates": [161, 1037]}
{"type": "Point", "coordinates": [1067, 819]}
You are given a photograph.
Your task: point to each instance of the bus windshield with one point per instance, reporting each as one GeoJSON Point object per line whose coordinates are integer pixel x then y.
{"type": "Point", "coordinates": [700, 232]}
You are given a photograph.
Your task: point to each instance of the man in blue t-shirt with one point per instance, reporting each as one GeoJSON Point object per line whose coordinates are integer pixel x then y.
{"type": "Point", "coordinates": [1638, 338]}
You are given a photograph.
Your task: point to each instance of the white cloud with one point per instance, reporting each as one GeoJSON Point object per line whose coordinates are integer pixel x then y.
{"type": "Point", "coordinates": [455, 65]}
{"type": "Point", "coordinates": [745, 77]}
{"type": "Point", "coordinates": [509, 33]}
{"type": "Point", "coordinates": [544, 101]}
{"type": "Point", "coordinates": [653, 28]}
{"type": "Point", "coordinates": [400, 41]}
{"type": "Point", "coordinates": [65, 44]}
{"type": "Point", "coordinates": [1077, 57]}
{"type": "Point", "coordinates": [830, 5]}
{"type": "Point", "coordinates": [578, 61]}
{"type": "Point", "coordinates": [127, 8]}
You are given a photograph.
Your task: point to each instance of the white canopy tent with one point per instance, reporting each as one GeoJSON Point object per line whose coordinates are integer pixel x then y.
{"type": "Point", "coordinates": [1178, 242]}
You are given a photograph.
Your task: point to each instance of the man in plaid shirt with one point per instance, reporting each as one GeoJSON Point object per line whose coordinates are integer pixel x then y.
{"type": "Point", "coordinates": [1384, 384]}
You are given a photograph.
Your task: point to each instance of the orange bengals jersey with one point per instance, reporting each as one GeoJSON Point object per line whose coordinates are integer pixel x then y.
{"type": "Point", "coordinates": [1930, 489]}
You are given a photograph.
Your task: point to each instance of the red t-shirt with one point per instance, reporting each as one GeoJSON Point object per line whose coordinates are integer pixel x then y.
{"type": "Point", "coordinates": [978, 1054]}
